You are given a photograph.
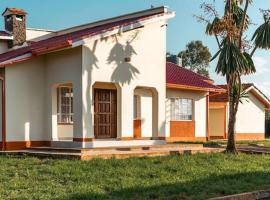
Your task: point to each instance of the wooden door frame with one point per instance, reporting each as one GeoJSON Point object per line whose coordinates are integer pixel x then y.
{"type": "Point", "coordinates": [3, 114]}
{"type": "Point", "coordinates": [116, 110]}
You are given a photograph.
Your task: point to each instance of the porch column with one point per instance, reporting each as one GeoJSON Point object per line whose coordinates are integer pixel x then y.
{"type": "Point", "coordinates": [126, 117]}
{"type": "Point", "coordinates": [53, 103]}
{"type": "Point", "coordinates": [83, 129]}
{"type": "Point", "coordinates": [161, 113]}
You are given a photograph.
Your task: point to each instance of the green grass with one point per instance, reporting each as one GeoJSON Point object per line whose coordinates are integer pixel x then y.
{"type": "Point", "coordinates": [224, 142]}
{"type": "Point", "coordinates": [175, 177]}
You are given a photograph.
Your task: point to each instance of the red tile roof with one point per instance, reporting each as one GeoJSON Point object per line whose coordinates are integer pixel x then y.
{"type": "Point", "coordinates": [65, 40]}
{"type": "Point", "coordinates": [224, 96]}
{"type": "Point", "coordinates": [15, 11]}
{"type": "Point", "coordinates": [177, 75]}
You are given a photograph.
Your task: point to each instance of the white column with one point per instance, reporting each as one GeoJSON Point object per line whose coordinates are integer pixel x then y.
{"type": "Point", "coordinates": [126, 112]}
{"type": "Point", "coordinates": [54, 113]}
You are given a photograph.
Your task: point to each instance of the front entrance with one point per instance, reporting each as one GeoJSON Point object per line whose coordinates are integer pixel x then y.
{"type": "Point", "coordinates": [105, 113]}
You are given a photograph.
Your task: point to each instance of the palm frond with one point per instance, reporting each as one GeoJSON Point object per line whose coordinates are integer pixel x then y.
{"type": "Point", "coordinates": [261, 37]}
{"type": "Point", "coordinates": [232, 61]}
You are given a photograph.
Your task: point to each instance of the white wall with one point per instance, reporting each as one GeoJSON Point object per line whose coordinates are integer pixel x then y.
{"type": "Point", "coordinates": [38, 34]}
{"type": "Point", "coordinates": [103, 61]}
{"type": "Point", "coordinates": [251, 116]}
{"type": "Point", "coordinates": [65, 131]}
{"type": "Point", "coordinates": [25, 101]}
{"type": "Point", "coordinates": [199, 109]}
{"type": "Point", "coordinates": [29, 89]}
{"type": "Point", "coordinates": [146, 99]}
{"type": "Point", "coordinates": [63, 67]}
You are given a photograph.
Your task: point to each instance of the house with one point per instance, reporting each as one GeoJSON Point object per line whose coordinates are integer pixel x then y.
{"type": "Point", "coordinates": [250, 119]}
{"type": "Point", "coordinates": [102, 84]}
{"type": "Point", "coordinates": [187, 104]}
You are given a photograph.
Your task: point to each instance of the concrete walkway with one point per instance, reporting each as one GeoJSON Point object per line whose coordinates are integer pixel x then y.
{"type": "Point", "coordinates": [115, 152]}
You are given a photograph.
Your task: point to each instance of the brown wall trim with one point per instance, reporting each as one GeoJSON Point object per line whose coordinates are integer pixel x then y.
{"type": "Point", "coordinates": [20, 145]}
{"type": "Point", "coordinates": [186, 139]}
{"type": "Point", "coordinates": [249, 136]}
{"type": "Point", "coordinates": [83, 139]}
{"type": "Point", "coordinates": [182, 129]}
{"type": "Point", "coordinates": [216, 137]}
{"type": "Point", "coordinates": [137, 124]}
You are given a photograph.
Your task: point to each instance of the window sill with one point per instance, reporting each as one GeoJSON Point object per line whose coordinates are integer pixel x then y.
{"type": "Point", "coordinates": [65, 123]}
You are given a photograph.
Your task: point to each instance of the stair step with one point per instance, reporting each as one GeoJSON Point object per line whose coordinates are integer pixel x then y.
{"type": "Point", "coordinates": [87, 155]}
{"type": "Point", "coordinates": [132, 148]}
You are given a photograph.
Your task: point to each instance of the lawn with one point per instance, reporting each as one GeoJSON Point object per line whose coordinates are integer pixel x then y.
{"type": "Point", "coordinates": [224, 142]}
{"type": "Point", "coordinates": [174, 177]}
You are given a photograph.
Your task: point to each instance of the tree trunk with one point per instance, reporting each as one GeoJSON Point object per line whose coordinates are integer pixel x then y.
{"type": "Point", "coordinates": [231, 147]}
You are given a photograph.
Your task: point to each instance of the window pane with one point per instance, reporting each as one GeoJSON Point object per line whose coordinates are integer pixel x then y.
{"type": "Point", "coordinates": [181, 109]}
{"type": "Point", "coordinates": [65, 105]}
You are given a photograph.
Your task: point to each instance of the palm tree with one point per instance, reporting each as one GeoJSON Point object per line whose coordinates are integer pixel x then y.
{"type": "Point", "coordinates": [234, 55]}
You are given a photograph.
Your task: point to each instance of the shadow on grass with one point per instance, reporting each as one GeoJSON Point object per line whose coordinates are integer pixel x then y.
{"type": "Point", "coordinates": [212, 186]}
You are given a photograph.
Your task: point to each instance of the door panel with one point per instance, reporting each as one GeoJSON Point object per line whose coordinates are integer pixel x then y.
{"type": "Point", "coordinates": [105, 123]}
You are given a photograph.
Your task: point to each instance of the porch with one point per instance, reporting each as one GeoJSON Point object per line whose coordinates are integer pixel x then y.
{"type": "Point", "coordinates": [107, 115]}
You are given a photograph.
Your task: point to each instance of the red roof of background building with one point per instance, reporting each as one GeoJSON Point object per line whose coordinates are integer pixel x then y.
{"type": "Point", "coordinates": [16, 11]}
{"type": "Point", "coordinates": [178, 75]}
{"type": "Point", "coordinates": [66, 40]}
{"type": "Point", "coordinates": [224, 96]}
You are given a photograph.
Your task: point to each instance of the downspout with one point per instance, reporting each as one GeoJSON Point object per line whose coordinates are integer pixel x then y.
{"type": "Point", "coordinates": [207, 118]}
{"type": "Point", "coordinates": [3, 114]}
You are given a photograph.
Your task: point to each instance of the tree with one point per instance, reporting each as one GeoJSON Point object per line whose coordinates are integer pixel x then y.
{"type": "Point", "coordinates": [235, 52]}
{"type": "Point", "coordinates": [196, 57]}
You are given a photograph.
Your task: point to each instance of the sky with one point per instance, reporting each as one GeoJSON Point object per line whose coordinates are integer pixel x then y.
{"type": "Point", "coordinates": [59, 14]}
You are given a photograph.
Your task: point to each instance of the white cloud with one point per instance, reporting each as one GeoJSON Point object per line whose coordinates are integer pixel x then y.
{"type": "Point", "coordinates": [261, 64]}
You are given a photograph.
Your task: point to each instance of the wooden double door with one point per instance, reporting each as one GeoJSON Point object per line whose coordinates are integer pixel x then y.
{"type": "Point", "coordinates": [105, 113]}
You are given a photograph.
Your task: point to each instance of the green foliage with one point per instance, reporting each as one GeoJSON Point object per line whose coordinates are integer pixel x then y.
{"type": "Point", "coordinates": [196, 57]}
{"type": "Point", "coordinates": [232, 61]}
{"type": "Point", "coordinates": [197, 177]}
{"type": "Point", "coordinates": [261, 36]}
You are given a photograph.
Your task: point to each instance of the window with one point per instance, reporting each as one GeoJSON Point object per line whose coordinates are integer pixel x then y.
{"type": "Point", "coordinates": [65, 105]}
{"type": "Point", "coordinates": [137, 107]}
{"type": "Point", "coordinates": [181, 109]}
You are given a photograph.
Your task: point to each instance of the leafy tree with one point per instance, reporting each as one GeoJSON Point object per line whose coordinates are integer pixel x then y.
{"type": "Point", "coordinates": [235, 52]}
{"type": "Point", "coordinates": [196, 57]}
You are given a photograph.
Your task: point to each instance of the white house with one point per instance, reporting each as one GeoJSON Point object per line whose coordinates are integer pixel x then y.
{"type": "Point", "coordinates": [100, 84]}
{"type": "Point", "coordinates": [250, 119]}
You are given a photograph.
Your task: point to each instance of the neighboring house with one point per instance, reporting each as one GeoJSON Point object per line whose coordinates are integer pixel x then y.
{"type": "Point", "coordinates": [101, 84]}
{"type": "Point", "coordinates": [250, 119]}
{"type": "Point", "coordinates": [187, 104]}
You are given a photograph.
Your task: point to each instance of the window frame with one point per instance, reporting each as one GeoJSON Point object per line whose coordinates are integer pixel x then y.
{"type": "Point", "coordinates": [136, 107]}
{"type": "Point", "coordinates": [70, 113]}
{"type": "Point", "coordinates": [175, 114]}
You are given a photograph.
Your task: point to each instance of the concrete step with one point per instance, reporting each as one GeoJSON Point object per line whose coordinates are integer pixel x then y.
{"type": "Point", "coordinates": [132, 148]}
{"type": "Point", "coordinates": [87, 155]}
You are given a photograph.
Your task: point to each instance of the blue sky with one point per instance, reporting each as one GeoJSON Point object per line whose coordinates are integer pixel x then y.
{"type": "Point", "coordinates": [58, 14]}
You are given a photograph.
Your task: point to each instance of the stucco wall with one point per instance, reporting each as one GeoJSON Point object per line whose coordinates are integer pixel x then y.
{"type": "Point", "coordinates": [65, 131]}
{"type": "Point", "coordinates": [25, 101]}
{"type": "Point", "coordinates": [31, 95]}
{"type": "Point", "coordinates": [251, 116]}
{"type": "Point", "coordinates": [199, 110]}
{"type": "Point", "coordinates": [146, 111]}
{"type": "Point", "coordinates": [216, 121]}
{"type": "Point", "coordinates": [104, 61]}
{"type": "Point", "coordinates": [63, 67]}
